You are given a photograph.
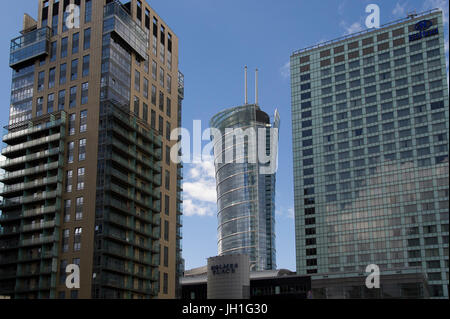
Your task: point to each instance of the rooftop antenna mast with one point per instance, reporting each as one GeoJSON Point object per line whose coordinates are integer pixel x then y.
{"type": "Point", "coordinates": [256, 87]}
{"type": "Point", "coordinates": [412, 15]}
{"type": "Point", "coordinates": [246, 92]}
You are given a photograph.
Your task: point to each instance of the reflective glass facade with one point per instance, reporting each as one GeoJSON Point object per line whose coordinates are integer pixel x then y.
{"type": "Point", "coordinates": [245, 198]}
{"type": "Point", "coordinates": [370, 141]}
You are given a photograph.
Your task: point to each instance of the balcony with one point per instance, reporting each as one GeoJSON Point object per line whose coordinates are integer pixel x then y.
{"type": "Point", "coordinates": [29, 46]}
{"type": "Point", "coordinates": [39, 211]}
{"type": "Point", "coordinates": [34, 129]}
{"type": "Point", "coordinates": [28, 199]}
{"type": "Point", "coordinates": [30, 157]}
{"type": "Point", "coordinates": [118, 20]}
{"type": "Point", "coordinates": [39, 241]}
{"type": "Point", "coordinates": [29, 171]}
{"type": "Point", "coordinates": [39, 141]}
{"type": "Point", "coordinates": [38, 226]}
{"type": "Point", "coordinates": [6, 189]}
{"type": "Point", "coordinates": [181, 85]}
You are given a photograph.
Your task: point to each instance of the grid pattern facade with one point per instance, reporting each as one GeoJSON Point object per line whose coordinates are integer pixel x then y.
{"type": "Point", "coordinates": [370, 142]}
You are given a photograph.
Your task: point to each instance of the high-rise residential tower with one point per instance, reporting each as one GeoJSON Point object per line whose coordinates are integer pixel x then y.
{"type": "Point", "coordinates": [87, 177]}
{"type": "Point", "coordinates": [370, 142]}
{"type": "Point", "coordinates": [245, 194]}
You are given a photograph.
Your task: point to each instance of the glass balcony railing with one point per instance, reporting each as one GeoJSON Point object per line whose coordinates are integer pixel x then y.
{"type": "Point", "coordinates": [30, 157]}
{"type": "Point", "coordinates": [39, 240]}
{"type": "Point", "coordinates": [34, 129]}
{"type": "Point", "coordinates": [39, 211]}
{"type": "Point", "coordinates": [29, 46]}
{"type": "Point", "coordinates": [37, 226]}
{"type": "Point", "coordinates": [118, 20]}
{"type": "Point", "coordinates": [30, 171]}
{"type": "Point", "coordinates": [21, 186]}
{"type": "Point", "coordinates": [42, 140]}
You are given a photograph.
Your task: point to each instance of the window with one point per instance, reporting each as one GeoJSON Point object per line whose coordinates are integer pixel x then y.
{"type": "Point", "coordinates": [83, 121]}
{"type": "Point", "coordinates": [167, 180]}
{"type": "Point", "coordinates": [72, 118]}
{"type": "Point", "coordinates": [86, 63]}
{"type": "Point", "coordinates": [64, 46]}
{"type": "Point", "coordinates": [136, 106]}
{"type": "Point", "coordinates": [169, 83]}
{"type": "Point", "coordinates": [74, 70]}
{"type": "Point", "coordinates": [69, 181]}
{"type": "Point", "coordinates": [145, 112]}
{"type": "Point", "coordinates": [153, 119]}
{"type": "Point", "coordinates": [82, 150]}
{"type": "Point", "coordinates": [61, 100]}
{"type": "Point", "coordinates": [39, 106]}
{"type": "Point", "coordinates": [75, 42]}
{"type": "Point", "coordinates": [168, 107]}
{"type": "Point", "coordinates": [65, 242]}
{"type": "Point", "coordinates": [51, 78]}
{"type": "Point", "coordinates": [166, 204]}
{"type": "Point", "coordinates": [145, 88]}
{"type": "Point", "coordinates": [161, 77]}
{"type": "Point", "coordinates": [87, 39]}
{"type": "Point", "coordinates": [73, 97]}
{"type": "Point", "coordinates": [80, 178]}
{"type": "Point", "coordinates": [70, 152]}
{"type": "Point", "coordinates": [154, 68]}
{"type": "Point", "coordinates": [166, 256]}
{"type": "Point", "coordinates": [77, 239]}
{"type": "Point", "coordinates": [53, 47]}
{"type": "Point", "coordinates": [79, 208]}
{"type": "Point", "coordinates": [88, 11]}
{"type": "Point", "coordinates": [161, 101]}
{"type": "Point", "coordinates": [137, 80]}
{"type": "Point", "coordinates": [166, 230]}
{"type": "Point", "coordinates": [55, 21]}
{"type": "Point", "coordinates": [67, 205]}
{"type": "Point", "coordinates": [41, 81]}
{"type": "Point", "coordinates": [62, 73]}
{"type": "Point", "coordinates": [153, 100]}
{"type": "Point", "coordinates": [168, 131]}
{"type": "Point", "coordinates": [166, 283]}
{"type": "Point", "coordinates": [50, 102]}
{"type": "Point", "coordinates": [84, 93]}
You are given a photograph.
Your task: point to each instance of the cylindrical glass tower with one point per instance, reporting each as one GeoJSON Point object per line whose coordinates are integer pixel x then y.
{"type": "Point", "coordinates": [245, 197]}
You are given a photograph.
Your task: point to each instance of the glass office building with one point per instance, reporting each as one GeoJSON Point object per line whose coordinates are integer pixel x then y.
{"type": "Point", "coordinates": [370, 142]}
{"type": "Point", "coordinates": [245, 197]}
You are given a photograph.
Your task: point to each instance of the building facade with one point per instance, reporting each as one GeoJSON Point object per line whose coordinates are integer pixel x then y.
{"type": "Point", "coordinates": [245, 197]}
{"type": "Point", "coordinates": [272, 284]}
{"type": "Point", "coordinates": [370, 142]}
{"type": "Point", "coordinates": [87, 177]}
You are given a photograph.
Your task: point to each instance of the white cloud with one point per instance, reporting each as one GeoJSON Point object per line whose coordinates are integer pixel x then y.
{"type": "Point", "coordinates": [352, 28]}
{"type": "Point", "coordinates": [341, 7]}
{"type": "Point", "coordinates": [284, 213]}
{"type": "Point", "coordinates": [191, 209]}
{"type": "Point", "coordinates": [199, 189]}
{"type": "Point", "coordinates": [399, 10]}
{"type": "Point", "coordinates": [285, 70]}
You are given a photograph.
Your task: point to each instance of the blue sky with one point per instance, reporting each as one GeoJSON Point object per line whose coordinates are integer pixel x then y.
{"type": "Point", "coordinates": [217, 38]}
